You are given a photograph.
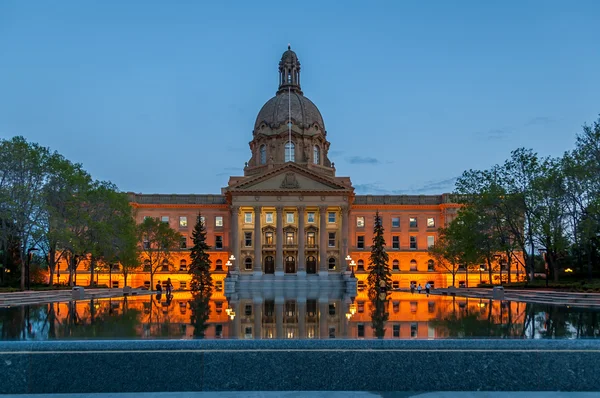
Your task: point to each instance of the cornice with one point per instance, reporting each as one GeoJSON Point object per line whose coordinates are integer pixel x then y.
{"type": "Point", "coordinates": [178, 206]}
{"type": "Point", "coordinates": [395, 207]}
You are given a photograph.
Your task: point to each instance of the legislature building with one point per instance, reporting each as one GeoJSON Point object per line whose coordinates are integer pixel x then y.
{"type": "Point", "coordinates": [291, 219]}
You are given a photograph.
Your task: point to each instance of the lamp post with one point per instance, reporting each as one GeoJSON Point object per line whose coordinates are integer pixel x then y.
{"type": "Point", "coordinates": [497, 258]}
{"type": "Point", "coordinates": [543, 254]}
{"type": "Point", "coordinates": [229, 263]}
{"type": "Point", "coordinates": [27, 268]}
{"type": "Point", "coordinates": [348, 259]}
{"type": "Point", "coordinates": [352, 264]}
{"type": "Point", "coordinates": [480, 270]}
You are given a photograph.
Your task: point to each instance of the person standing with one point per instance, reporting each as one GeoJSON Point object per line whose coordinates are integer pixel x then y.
{"type": "Point", "coordinates": [427, 288]}
{"type": "Point", "coordinates": [419, 288]}
{"type": "Point", "coordinates": [412, 288]}
{"type": "Point", "coordinates": [169, 287]}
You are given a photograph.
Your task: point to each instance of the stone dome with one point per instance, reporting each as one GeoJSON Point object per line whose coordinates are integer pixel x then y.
{"type": "Point", "coordinates": [275, 112]}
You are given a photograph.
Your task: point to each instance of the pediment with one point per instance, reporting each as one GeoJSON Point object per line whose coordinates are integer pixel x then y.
{"type": "Point", "coordinates": [290, 178]}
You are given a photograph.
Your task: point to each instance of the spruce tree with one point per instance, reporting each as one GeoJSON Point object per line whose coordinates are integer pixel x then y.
{"type": "Point", "coordinates": [379, 278]}
{"type": "Point", "coordinates": [200, 265]}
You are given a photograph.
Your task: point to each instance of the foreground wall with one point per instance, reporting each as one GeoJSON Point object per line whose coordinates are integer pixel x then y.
{"type": "Point", "coordinates": [360, 365]}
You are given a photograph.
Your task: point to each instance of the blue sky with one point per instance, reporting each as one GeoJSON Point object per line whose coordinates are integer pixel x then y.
{"type": "Point", "coordinates": [161, 96]}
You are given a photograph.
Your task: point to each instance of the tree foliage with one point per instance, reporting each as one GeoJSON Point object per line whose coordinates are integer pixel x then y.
{"type": "Point", "coordinates": [200, 260]}
{"type": "Point", "coordinates": [157, 240]}
{"type": "Point", "coordinates": [379, 279]}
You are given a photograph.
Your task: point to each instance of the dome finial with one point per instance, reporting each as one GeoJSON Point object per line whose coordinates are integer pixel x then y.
{"type": "Point", "coordinates": [289, 46]}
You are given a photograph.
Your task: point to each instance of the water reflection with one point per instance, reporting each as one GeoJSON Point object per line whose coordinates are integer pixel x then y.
{"type": "Point", "coordinates": [276, 316]}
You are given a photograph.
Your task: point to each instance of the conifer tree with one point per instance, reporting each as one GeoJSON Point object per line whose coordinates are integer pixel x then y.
{"type": "Point", "coordinates": [379, 278]}
{"type": "Point", "coordinates": [200, 265]}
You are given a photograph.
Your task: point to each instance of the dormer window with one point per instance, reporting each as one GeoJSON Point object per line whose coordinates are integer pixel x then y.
{"type": "Point", "coordinates": [289, 152]}
{"type": "Point", "coordinates": [263, 154]}
{"type": "Point", "coordinates": [316, 154]}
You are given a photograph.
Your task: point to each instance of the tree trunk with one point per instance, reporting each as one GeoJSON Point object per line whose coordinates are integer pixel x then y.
{"type": "Point", "coordinates": [125, 275]}
{"type": "Point", "coordinates": [92, 266]}
{"type": "Point", "coordinates": [509, 264]}
{"type": "Point", "coordinates": [453, 278]}
{"type": "Point", "coordinates": [22, 255]}
{"type": "Point", "coordinates": [489, 263]}
{"type": "Point", "coordinates": [532, 265]}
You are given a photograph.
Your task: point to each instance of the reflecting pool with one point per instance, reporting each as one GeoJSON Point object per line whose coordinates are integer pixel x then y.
{"type": "Point", "coordinates": [272, 315]}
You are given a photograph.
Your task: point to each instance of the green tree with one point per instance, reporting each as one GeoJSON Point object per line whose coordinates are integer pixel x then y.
{"type": "Point", "coordinates": [157, 240]}
{"type": "Point", "coordinates": [446, 254]}
{"type": "Point", "coordinates": [379, 278]}
{"type": "Point", "coordinates": [200, 260]}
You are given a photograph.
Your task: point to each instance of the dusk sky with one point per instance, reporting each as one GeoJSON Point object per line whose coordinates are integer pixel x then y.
{"type": "Point", "coordinates": [161, 96]}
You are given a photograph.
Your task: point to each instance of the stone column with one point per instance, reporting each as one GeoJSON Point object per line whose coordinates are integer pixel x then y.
{"type": "Point", "coordinates": [257, 310]}
{"type": "Point", "coordinates": [345, 232]}
{"type": "Point", "coordinates": [302, 317]}
{"type": "Point", "coordinates": [279, 316]}
{"type": "Point", "coordinates": [257, 242]}
{"type": "Point", "coordinates": [323, 241]}
{"type": "Point", "coordinates": [235, 239]}
{"type": "Point", "coordinates": [301, 237]}
{"type": "Point", "coordinates": [323, 320]}
{"type": "Point", "coordinates": [279, 243]}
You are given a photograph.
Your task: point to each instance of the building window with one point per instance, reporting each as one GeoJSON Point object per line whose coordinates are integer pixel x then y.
{"type": "Point", "coordinates": [263, 154]}
{"type": "Point", "coordinates": [268, 238]}
{"type": "Point", "coordinates": [331, 264]}
{"type": "Point", "coordinates": [146, 243]}
{"type": "Point", "coordinates": [413, 243]}
{"type": "Point", "coordinates": [414, 330]}
{"type": "Point", "coordinates": [290, 148]}
{"type": "Point", "coordinates": [219, 265]}
{"type": "Point", "coordinates": [331, 217]}
{"type": "Point", "coordinates": [219, 286]}
{"type": "Point", "coordinates": [165, 265]}
{"type": "Point", "coordinates": [360, 222]}
{"type": "Point", "coordinates": [182, 222]}
{"type": "Point", "coordinates": [218, 221]}
{"type": "Point", "coordinates": [182, 265]}
{"type": "Point", "coordinates": [310, 217]}
{"type": "Point", "coordinates": [413, 265]}
{"type": "Point", "coordinates": [183, 242]}
{"type": "Point", "coordinates": [361, 265]}
{"type": "Point", "coordinates": [395, 284]}
{"type": "Point", "coordinates": [431, 307]}
{"type": "Point", "coordinates": [430, 265]}
{"type": "Point", "coordinates": [331, 239]}
{"type": "Point", "coordinates": [396, 265]}
{"type": "Point", "coordinates": [248, 264]}
{"type": "Point", "coordinates": [412, 222]}
{"type": "Point", "coordinates": [269, 218]}
{"type": "Point", "coordinates": [395, 222]}
{"type": "Point", "coordinates": [414, 305]}
{"type": "Point", "coordinates": [201, 219]}
{"type": "Point", "coordinates": [289, 238]}
{"type": "Point", "coordinates": [147, 266]}
{"type": "Point", "coordinates": [248, 239]}
{"type": "Point", "coordinates": [483, 267]}
{"type": "Point", "coordinates": [218, 242]}
{"type": "Point", "coordinates": [395, 242]}
{"type": "Point", "coordinates": [430, 222]}
{"type": "Point", "coordinates": [396, 330]}
{"type": "Point", "coordinates": [360, 286]}
{"type": "Point", "coordinates": [248, 218]}
{"type": "Point", "coordinates": [310, 239]}
{"type": "Point", "coordinates": [182, 285]}
{"type": "Point", "coordinates": [316, 155]}
{"type": "Point", "coordinates": [289, 218]}
{"type": "Point", "coordinates": [430, 241]}
{"type": "Point", "coordinates": [360, 242]}
{"type": "Point", "coordinates": [360, 329]}
{"type": "Point", "coordinates": [165, 219]}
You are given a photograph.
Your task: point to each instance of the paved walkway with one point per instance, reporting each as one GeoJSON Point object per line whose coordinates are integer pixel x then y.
{"type": "Point", "coordinates": [51, 296]}
{"type": "Point", "coordinates": [324, 394]}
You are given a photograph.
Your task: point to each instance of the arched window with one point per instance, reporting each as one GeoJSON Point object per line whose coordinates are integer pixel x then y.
{"type": "Point", "coordinates": [165, 265]}
{"type": "Point", "coordinates": [413, 265]}
{"type": "Point", "coordinates": [263, 154]}
{"type": "Point", "coordinates": [219, 265]}
{"type": "Point", "coordinates": [289, 77]}
{"type": "Point", "coordinates": [430, 265]}
{"type": "Point", "coordinates": [290, 155]}
{"type": "Point", "coordinates": [182, 265]}
{"type": "Point", "coordinates": [147, 265]}
{"type": "Point", "coordinates": [396, 265]}
{"type": "Point", "coordinates": [248, 264]}
{"type": "Point", "coordinates": [361, 265]}
{"type": "Point", "coordinates": [316, 155]}
{"type": "Point", "coordinates": [331, 263]}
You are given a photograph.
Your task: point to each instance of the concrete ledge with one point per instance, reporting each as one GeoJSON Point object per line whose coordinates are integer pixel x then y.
{"type": "Point", "coordinates": [285, 365]}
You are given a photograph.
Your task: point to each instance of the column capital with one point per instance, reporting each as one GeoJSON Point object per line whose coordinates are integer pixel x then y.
{"type": "Point", "coordinates": [257, 209]}
{"type": "Point", "coordinates": [301, 208]}
{"type": "Point", "coordinates": [235, 208]}
{"type": "Point", "coordinates": [279, 209]}
{"type": "Point", "coordinates": [323, 208]}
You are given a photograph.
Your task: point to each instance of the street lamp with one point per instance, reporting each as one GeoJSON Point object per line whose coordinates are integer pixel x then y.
{"type": "Point", "coordinates": [27, 278]}
{"type": "Point", "coordinates": [543, 254]}
{"type": "Point", "coordinates": [352, 264]}
{"type": "Point", "coordinates": [229, 263]}
{"type": "Point", "coordinates": [348, 259]}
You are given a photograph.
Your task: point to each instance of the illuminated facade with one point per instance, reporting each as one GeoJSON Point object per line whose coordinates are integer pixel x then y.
{"type": "Point", "coordinates": [290, 218]}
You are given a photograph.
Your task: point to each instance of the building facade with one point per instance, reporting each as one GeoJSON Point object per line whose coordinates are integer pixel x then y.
{"type": "Point", "coordinates": [291, 218]}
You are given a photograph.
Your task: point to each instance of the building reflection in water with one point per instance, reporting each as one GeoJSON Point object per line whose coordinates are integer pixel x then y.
{"type": "Point", "coordinates": [277, 315]}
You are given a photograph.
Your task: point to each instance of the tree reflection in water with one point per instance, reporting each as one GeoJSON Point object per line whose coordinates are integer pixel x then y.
{"type": "Point", "coordinates": [187, 315]}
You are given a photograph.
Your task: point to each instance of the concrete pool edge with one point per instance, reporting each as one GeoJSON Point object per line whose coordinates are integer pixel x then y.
{"type": "Point", "coordinates": [293, 365]}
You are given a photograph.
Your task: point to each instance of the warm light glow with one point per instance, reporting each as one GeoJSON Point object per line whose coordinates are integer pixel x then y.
{"type": "Point", "coordinates": [228, 311]}
{"type": "Point", "coordinates": [348, 258]}
{"type": "Point", "coordinates": [352, 309]}
{"type": "Point", "coordinates": [481, 269]}
{"type": "Point", "coordinates": [352, 263]}
{"type": "Point", "coordinates": [348, 316]}
{"type": "Point", "coordinates": [231, 315]}
{"type": "Point", "coordinates": [232, 258]}
{"type": "Point", "coordinates": [568, 270]}
{"type": "Point", "coordinates": [228, 263]}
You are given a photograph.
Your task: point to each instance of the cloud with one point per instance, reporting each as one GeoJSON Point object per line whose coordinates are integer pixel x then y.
{"type": "Point", "coordinates": [434, 187]}
{"type": "Point", "coordinates": [540, 121]}
{"type": "Point", "coordinates": [362, 160]}
{"type": "Point", "coordinates": [495, 134]}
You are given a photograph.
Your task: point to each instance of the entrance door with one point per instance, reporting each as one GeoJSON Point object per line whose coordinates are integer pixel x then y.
{"type": "Point", "coordinates": [290, 265]}
{"type": "Point", "coordinates": [269, 265]}
{"type": "Point", "coordinates": [311, 265]}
